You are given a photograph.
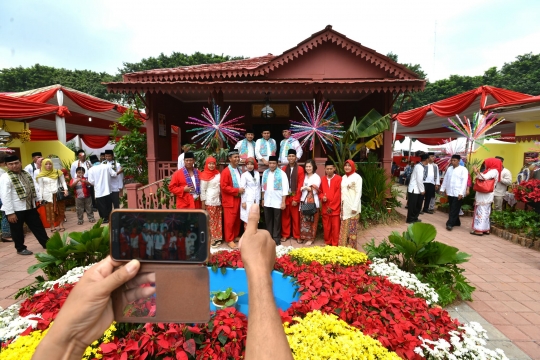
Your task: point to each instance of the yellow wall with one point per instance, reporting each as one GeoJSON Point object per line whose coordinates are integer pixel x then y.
{"type": "Point", "coordinates": [47, 148]}
{"type": "Point", "coordinates": [528, 128]}
{"type": "Point", "coordinates": [512, 154]}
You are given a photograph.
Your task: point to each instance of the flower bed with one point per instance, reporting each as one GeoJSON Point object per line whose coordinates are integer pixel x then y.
{"type": "Point", "coordinates": [348, 308]}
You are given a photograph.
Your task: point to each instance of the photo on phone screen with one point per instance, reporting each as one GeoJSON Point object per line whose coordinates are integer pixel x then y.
{"type": "Point", "coordinates": [171, 236]}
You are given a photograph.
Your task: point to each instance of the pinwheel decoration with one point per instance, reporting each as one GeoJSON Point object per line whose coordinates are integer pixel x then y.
{"type": "Point", "coordinates": [215, 126]}
{"type": "Point", "coordinates": [476, 130]}
{"type": "Point", "coordinates": [319, 123]}
{"type": "Point", "coordinates": [174, 220]}
{"type": "Point", "coordinates": [136, 219]}
{"type": "Point", "coordinates": [450, 148]}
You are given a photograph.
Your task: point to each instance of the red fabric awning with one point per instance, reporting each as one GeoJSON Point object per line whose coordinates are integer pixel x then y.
{"type": "Point", "coordinates": [17, 108]}
{"type": "Point", "coordinates": [459, 103]}
{"type": "Point", "coordinates": [45, 135]}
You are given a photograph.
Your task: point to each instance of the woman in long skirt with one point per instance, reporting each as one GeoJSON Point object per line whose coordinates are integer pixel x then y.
{"type": "Point", "coordinates": [49, 180]}
{"type": "Point", "coordinates": [310, 191]}
{"type": "Point", "coordinates": [351, 193]}
{"type": "Point", "coordinates": [252, 185]}
{"type": "Point", "coordinates": [211, 200]}
{"type": "Point", "coordinates": [482, 201]}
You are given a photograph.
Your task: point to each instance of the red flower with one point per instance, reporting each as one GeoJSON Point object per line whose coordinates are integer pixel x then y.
{"type": "Point", "coordinates": [528, 191]}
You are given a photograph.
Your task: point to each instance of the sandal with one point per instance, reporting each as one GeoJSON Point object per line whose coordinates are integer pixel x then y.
{"type": "Point", "coordinates": [477, 234]}
{"type": "Point", "coordinates": [298, 241]}
{"type": "Point", "coordinates": [487, 233]}
{"type": "Point", "coordinates": [217, 243]}
{"type": "Point", "coordinates": [92, 221]}
{"type": "Point", "coordinates": [232, 245]}
{"type": "Point", "coordinates": [309, 243]}
{"type": "Point", "coordinates": [284, 240]}
{"type": "Point", "coordinates": [80, 222]}
{"type": "Point", "coordinates": [62, 229]}
{"type": "Point", "coordinates": [53, 230]}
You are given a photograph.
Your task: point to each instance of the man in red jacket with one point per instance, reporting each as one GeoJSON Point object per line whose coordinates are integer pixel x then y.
{"type": "Point", "coordinates": [185, 184]}
{"type": "Point", "coordinates": [291, 214]}
{"type": "Point", "coordinates": [231, 193]}
{"type": "Point", "coordinates": [330, 196]}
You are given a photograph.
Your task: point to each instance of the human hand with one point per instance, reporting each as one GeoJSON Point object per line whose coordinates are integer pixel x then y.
{"type": "Point", "coordinates": [241, 190]}
{"type": "Point", "coordinates": [66, 192]}
{"type": "Point", "coordinates": [423, 193]}
{"type": "Point", "coordinates": [12, 218]}
{"type": "Point", "coordinates": [460, 197]}
{"type": "Point", "coordinates": [282, 207]}
{"type": "Point", "coordinates": [353, 211]}
{"type": "Point", "coordinates": [264, 161]}
{"type": "Point", "coordinates": [294, 203]}
{"type": "Point", "coordinates": [328, 210]}
{"type": "Point", "coordinates": [324, 199]}
{"type": "Point", "coordinates": [257, 248]}
{"type": "Point", "coordinates": [88, 311]}
{"type": "Point", "coordinates": [203, 206]}
{"type": "Point", "coordinates": [188, 189]}
{"type": "Point", "coordinates": [244, 206]}
{"type": "Point", "coordinates": [262, 203]}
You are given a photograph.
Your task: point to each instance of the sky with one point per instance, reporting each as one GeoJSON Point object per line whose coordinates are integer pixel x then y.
{"type": "Point", "coordinates": [444, 37]}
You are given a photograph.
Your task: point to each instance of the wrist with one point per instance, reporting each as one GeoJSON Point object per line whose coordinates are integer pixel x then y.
{"type": "Point", "coordinates": [61, 343]}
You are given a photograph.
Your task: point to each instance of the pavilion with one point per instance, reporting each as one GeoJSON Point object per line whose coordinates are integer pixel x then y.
{"type": "Point", "coordinates": [326, 65]}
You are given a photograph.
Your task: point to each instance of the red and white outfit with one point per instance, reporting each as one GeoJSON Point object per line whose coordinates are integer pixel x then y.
{"type": "Point", "coordinates": [210, 194]}
{"type": "Point", "coordinates": [185, 200]}
{"type": "Point", "coordinates": [230, 200]}
{"type": "Point", "coordinates": [291, 214]}
{"type": "Point", "coordinates": [331, 188]}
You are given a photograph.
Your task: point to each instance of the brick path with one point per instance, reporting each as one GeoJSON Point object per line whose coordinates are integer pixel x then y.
{"type": "Point", "coordinates": [506, 275]}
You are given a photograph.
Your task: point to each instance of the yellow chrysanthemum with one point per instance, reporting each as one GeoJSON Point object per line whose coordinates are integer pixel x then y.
{"type": "Point", "coordinates": [24, 347]}
{"type": "Point", "coordinates": [329, 255]}
{"type": "Point", "coordinates": [94, 351]}
{"type": "Point", "coordinates": [324, 336]}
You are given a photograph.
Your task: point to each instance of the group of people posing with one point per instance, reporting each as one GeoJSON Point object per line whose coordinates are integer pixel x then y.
{"type": "Point", "coordinates": [287, 195]}
{"type": "Point", "coordinates": [40, 185]}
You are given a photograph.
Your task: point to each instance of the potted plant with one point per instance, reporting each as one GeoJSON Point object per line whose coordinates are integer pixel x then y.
{"type": "Point", "coordinates": [227, 298]}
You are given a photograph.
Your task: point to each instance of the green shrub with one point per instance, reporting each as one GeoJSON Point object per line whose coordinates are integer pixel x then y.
{"type": "Point", "coordinates": [73, 250]}
{"type": "Point", "coordinates": [520, 221]}
{"type": "Point", "coordinates": [431, 261]}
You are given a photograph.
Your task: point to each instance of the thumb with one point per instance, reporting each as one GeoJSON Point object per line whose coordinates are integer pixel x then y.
{"type": "Point", "coordinates": [253, 220]}
{"type": "Point", "coordinates": [121, 276]}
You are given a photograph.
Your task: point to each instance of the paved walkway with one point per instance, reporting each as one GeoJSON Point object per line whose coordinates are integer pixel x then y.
{"type": "Point", "coordinates": [506, 275]}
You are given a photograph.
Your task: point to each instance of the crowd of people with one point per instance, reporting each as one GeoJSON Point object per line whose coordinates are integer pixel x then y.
{"type": "Point", "coordinates": [292, 197]}
{"type": "Point", "coordinates": [491, 184]}
{"type": "Point", "coordinates": [36, 194]}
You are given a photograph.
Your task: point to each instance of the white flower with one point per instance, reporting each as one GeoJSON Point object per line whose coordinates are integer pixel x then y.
{"type": "Point", "coordinates": [380, 267]}
{"type": "Point", "coordinates": [468, 343]}
{"type": "Point", "coordinates": [283, 250]}
{"type": "Point", "coordinates": [12, 325]}
{"type": "Point", "coordinates": [71, 277]}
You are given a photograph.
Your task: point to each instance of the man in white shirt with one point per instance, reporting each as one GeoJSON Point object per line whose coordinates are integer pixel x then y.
{"type": "Point", "coordinates": [31, 168]}
{"type": "Point", "coordinates": [100, 175]}
{"type": "Point", "coordinates": [19, 196]}
{"type": "Point", "coordinates": [185, 148]}
{"type": "Point", "coordinates": [117, 182]}
{"type": "Point", "coordinates": [246, 147]}
{"type": "Point", "coordinates": [159, 241]}
{"type": "Point", "coordinates": [416, 190]}
{"type": "Point", "coordinates": [276, 188]}
{"type": "Point", "coordinates": [502, 187]}
{"type": "Point", "coordinates": [286, 144]}
{"type": "Point", "coordinates": [455, 186]}
{"type": "Point", "coordinates": [265, 147]}
{"type": "Point", "coordinates": [431, 182]}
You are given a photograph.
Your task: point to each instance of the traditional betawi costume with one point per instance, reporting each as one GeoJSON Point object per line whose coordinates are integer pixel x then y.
{"type": "Point", "coordinates": [210, 196]}
{"type": "Point", "coordinates": [250, 181]}
{"type": "Point", "coordinates": [310, 195]}
{"type": "Point", "coordinates": [482, 201]}
{"type": "Point", "coordinates": [275, 187]}
{"type": "Point", "coordinates": [230, 200]}
{"type": "Point", "coordinates": [186, 177]}
{"type": "Point", "coordinates": [351, 193]}
{"type": "Point", "coordinates": [246, 148]}
{"type": "Point", "coordinates": [330, 198]}
{"type": "Point", "coordinates": [287, 144]}
{"type": "Point", "coordinates": [265, 148]}
{"type": "Point", "coordinates": [290, 216]}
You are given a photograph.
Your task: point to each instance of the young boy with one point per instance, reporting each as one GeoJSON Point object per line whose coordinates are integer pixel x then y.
{"type": "Point", "coordinates": [83, 201]}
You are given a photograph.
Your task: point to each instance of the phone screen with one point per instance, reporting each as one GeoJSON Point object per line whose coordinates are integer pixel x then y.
{"type": "Point", "coordinates": [179, 236]}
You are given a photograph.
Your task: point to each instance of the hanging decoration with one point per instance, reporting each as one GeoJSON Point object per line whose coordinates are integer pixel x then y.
{"type": "Point", "coordinates": [215, 126]}
{"type": "Point", "coordinates": [476, 130]}
{"type": "Point", "coordinates": [319, 123]}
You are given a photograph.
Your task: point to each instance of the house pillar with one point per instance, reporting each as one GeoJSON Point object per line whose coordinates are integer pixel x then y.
{"type": "Point", "coordinates": [132, 199]}
{"type": "Point", "coordinates": [151, 134]}
{"type": "Point", "coordinates": [387, 139]}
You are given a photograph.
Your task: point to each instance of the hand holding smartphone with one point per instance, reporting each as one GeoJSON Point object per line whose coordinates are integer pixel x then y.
{"type": "Point", "coordinates": [172, 246]}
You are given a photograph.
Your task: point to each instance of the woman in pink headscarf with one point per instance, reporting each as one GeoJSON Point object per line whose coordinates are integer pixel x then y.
{"type": "Point", "coordinates": [482, 200]}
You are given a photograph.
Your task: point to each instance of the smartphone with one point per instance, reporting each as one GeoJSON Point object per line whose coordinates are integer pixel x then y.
{"type": "Point", "coordinates": [160, 236]}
